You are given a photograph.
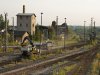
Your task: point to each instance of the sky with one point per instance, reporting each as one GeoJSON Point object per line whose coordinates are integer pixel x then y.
{"type": "Point", "coordinates": [76, 11]}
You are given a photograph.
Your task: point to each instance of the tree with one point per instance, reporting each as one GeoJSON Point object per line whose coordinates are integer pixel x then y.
{"type": "Point", "coordinates": [2, 22]}
{"type": "Point", "coordinates": [37, 34]}
{"type": "Point", "coordinates": [53, 31]}
{"type": "Point", "coordinates": [54, 24]}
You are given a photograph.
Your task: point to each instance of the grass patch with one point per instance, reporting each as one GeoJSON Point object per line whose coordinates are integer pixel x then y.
{"type": "Point", "coordinates": [63, 70]}
{"type": "Point", "coordinates": [95, 65]}
{"type": "Point", "coordinates": [69, 68]}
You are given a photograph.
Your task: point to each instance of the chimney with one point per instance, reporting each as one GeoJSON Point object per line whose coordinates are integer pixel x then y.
{"type": "Point", "coordinates": [23, 8]}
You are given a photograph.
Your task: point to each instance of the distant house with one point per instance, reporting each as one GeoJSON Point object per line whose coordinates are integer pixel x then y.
{"type": "Point", "coordinates": [60, 29]}
{"type": "Point", "coordinates": [49, 32]}
{"type": "Point", "coordinates": [26, 22]}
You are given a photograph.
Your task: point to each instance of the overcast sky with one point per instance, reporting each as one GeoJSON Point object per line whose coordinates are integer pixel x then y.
{"type": "Point", "coordinates": [76, 11]}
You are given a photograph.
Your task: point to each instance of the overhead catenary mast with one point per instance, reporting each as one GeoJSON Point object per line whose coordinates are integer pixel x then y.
{"type": "Point", "coordinates": [94, 27]}
{"type": "Point", "coordinates": [41, 32]}
{"type": "Point", "coordinates": [92, 24]}
{"type": "Point", "coordinates": [64, 33]}
{"type": "Point", "coordinates": [57, 29]}
{"type": "Point", "coordinates": [84, 31]}
{"type": "Point", "coordinates": [13, 28]}
{"type": "Point", "coordinates": [94, 30]}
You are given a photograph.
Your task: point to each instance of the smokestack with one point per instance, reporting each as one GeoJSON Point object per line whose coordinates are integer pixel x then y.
{"type": "Point", "coordinates": [23, 8]}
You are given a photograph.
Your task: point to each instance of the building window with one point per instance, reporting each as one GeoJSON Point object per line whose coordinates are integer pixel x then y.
{"type": "Point", "coordinates": [26, 25]}
{"type": "Point", "coordinates": [20, 25]}
{"type": "Point", "coordinates": [20, 17]}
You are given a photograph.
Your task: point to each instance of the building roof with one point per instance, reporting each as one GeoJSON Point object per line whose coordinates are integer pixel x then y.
{"type": "Point", "coordinates": [44, 27]}
{"type": "Point", "coordinates": [26, 14]}
{"type": "Point", "coordinates": [64, 24]}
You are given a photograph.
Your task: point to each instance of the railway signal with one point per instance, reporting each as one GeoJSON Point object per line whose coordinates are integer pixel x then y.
{"type": "Point", "coordinates": [92, 31]}
{"type": "Point", "coordinates": [91, 24]}
{"type": "Point", "coordinates": [64, 34]}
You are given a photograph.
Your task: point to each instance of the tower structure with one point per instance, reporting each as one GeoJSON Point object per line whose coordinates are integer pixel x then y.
{"type": "Point", "coordinates": [26, 22]}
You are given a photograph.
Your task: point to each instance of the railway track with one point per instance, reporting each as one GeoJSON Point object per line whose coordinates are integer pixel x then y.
{"type": "Point", "coordinates": [30, 67]}
{"type": "Point", "coordinates": [76, 60]}
{"type": "Point", "coordinates": [52, 68]}
{"type": "Point", "coordinates": [71, 46]}
{"type": "Point", "coordinates": [5, 58]}
{"type": "Point", "coordinates": [84, 64]}
{"type": "Point", "coordinates": [52, 51]}
{"type": "Point", "coordinates": [8, 53]}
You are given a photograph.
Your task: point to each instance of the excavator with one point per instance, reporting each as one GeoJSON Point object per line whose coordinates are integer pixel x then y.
{"type": "Point", "coordinates": [28, 49]}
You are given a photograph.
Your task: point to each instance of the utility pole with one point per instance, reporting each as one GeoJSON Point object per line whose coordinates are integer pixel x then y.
{"type": "Point", "coordinates": [6, 32]}
{"type": "Point", "coordinates": [41, 32]}
{"type": "Point", "coordinates": [84, 31]}
{"type": "Point", "coordinates": [57, 30]}
{"type": "Point", "coordinates": [47, 33]}
{"type": "Point", "coordinates": [94, 30]}
{"type": "Point", "coordinates": [41, 18]}
{"type": "Point", "coordinates": [94, 27]}
{"type": "Point", "coordinates": [41, 29]}
{"type": "Point", "coordinates": [64, 34]}
{"type": "Point", "coordinates": [91, 24]}
{"type": "Point", "coordinates": [13, 29]}
{"type": "Point", "coordinates": [94, 24]}
{"type": "Point", "coordinates": [91, 30]}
